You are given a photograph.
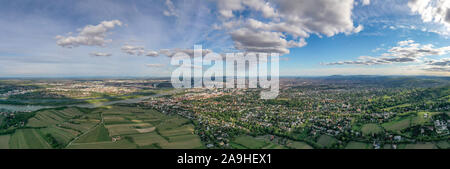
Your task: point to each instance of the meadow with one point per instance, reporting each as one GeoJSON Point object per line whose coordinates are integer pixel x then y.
{"type": "Point", "coordinates": [368, 129]}
{"type": "Point", "coordinates": [357, 145]}
{"type": "Point", "coordinates": [326, 141]}
{"type": "Point", "coordinates": [133, 127]}
{"type": "Point", "coordinates": [260, 142]}
{"type": "Point", "coordinates": [4, 141]}
{"type": "Point", "coordinates": [409, 119]}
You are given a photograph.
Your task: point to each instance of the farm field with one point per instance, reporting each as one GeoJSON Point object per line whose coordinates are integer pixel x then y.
{"type": "Point", "coordinates": [4, 141]}
{"type": "Point", "coordinates": [99, 134]}
{"type": "Point", "coordinates": [398, 106]}
{"type": "Point", "coordinates": [260, 142]}
{"type": "Point", "coordinates": [411, 119]}
{"type": "Point", "coordinates": [418, 146]}
{"type": "Point", "coordinates": [249, 142]}
{"type": "Point", "coordinates": [28, 139]}
{"type": "Point", "coordinates": [139, 128]}
{"type": "Point", "coordinates": [357, 145]}
{"type": "Point", "coordinates": [397, 125]}
{"type": "Point", "coordinates": [326, 141]}
{"type": "Point", "coordinates": [148, 139]}
{"type": "Point", "coordinates": [369, 129]}
{"type": "Point", "coordinates": [122, 144]}
{"type": "Point", "coordinates": [423, 118]}
{"type": "Point", "coordinates": [443, 145]}
{"type": "Point", "coordinates": [299, 145]}
{"type": "Point", "coordinates": [117, 126]}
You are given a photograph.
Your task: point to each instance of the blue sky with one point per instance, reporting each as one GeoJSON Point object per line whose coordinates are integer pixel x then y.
{"type": "Point", "coordinates": [135, 37]}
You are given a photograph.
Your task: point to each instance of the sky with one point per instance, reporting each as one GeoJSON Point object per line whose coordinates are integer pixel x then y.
{"type": "Point", "coordinates": [73, 38]}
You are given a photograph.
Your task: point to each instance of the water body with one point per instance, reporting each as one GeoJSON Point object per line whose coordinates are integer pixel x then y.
{"type": "Point", "coordinates": [29, 108]}
{"type": "Point", "coordinates": [21, 108]}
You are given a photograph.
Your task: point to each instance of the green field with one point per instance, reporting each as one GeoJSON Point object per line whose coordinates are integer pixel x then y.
{"type": "Point", "coordinates": [183, 142]}
{"type": "Point", "coordinates": [443, 144]}
{"type": "Point", "coordinates": [249, 142]}
{"type": "Point", "coordinates": [99, 134]}
{"type": "Point", "coordinates": [397, 125]}
{"type": "Point", "coordinates": [418, 146]}
{"type": "Point", "coordinates": [64, 124]}
{"type": "Point", "coordinates": [125, 129]}
{"type": "Point", "coordinates": [4, 141]}
{"type": "Point", "coordinates": [326, 141]}
{"type": "Point", "coordinates": [357, 145]}
{"type": "Point", "coordinates": [117, 126]}
{"type": "Point", "coordinates": [261, 142]}
{"type": "Point", "coordinates": [299, 145]}
{"type": "Point", "coordinates": [398, 106]}
{"type": "Point", "coordinates": [148, 139]}
{"type": "Point", "coordinates": [28, 139]}
{"type": "Point", "coordinates": [420, 118]}
{"type": "Point", "coordinates": [143, 128]}
{"type": "Point", "coordinates": [368, 129]}
{"type": "Point", "coordinates": [62, 135]}
{"type": "Point", "coordinates": [121, 144]}
{"type": "Point", "coordinates": [410, 119]}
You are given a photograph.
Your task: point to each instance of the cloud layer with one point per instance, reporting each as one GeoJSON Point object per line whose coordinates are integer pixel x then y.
{"type": "Point", "coordinates": [284, 24]}
{"type": "Point", "coordinates": [90, 35]}
{"type": "Point", "coordinates": [437, 11]}
{"type": "Point", "coordinates": [405, 51]}
{"type": "Point", "coordinates": [100, 54]}
{"type": "Point", "coordinates": [438, 65]}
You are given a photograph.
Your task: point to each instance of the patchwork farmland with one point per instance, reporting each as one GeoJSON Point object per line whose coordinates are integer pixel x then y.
{"type": "Point", "coordinates": [112, 127]}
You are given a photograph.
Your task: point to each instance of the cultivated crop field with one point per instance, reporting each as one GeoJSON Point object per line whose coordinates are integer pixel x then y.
{"type": "Point", "coordinates": [299, 145]}
{"type": "Point", "coordinates": [369, 129]}
{"type": "Point", "coordinates": [397, 125]}
{"type": "Point", "coordinates": [250, 142]}
{"type": "Point", "coordinates": [419, 146]}
{"type": "Point", "coordinates": [264, 142]}
{"type": "Point", "coordinates": [134, 127]}
{"type": "Point", "coordinates": [410, 119]}
{"type": "Point", "coordinates": [111, 127]}
{"type": "Point", "coordinates": [28, 139]}
{"type": "Point", "coordinates": [357, 145]}
{"type": "Point", "coordinates": [4, 141]}
{"type": "Point", "coordinates": [326, 141]}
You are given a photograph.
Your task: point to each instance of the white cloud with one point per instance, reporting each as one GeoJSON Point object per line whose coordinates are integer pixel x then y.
{"type": "Point", "coordinates": [286, 23]}
{"type": "Point", "coordinates": [90, 35]}
{"type": "Point", "coordinates": [260, 5]}
{"type": "Point", "coordinates": [328, 17]}
{"type": "Point", "coordinates": [405, 42]}
{"type": "Point", "coordinates": [263, 41]}
{"type": "Point", "coordinates": [133, 50]}
{"type": "Point", "coordinates": [416, 50]}
{"type": "Point", "coordinates": [152, 53]}
{"type": "Point", "coordinates": [374, 61]}
{"type": "Point", "coordinates": [100, 54]}
{"type": "Point", "coordinates": [442, 65]}
{"type": "Point", "coordinates": [226, 7]}
{"type": "Point", "coordinates": [189, 52]}
{"type": "Point", "coordinates": [155, 65]}
{"type": "Point", "coordinates": [437, 11]}
{"type": "Point", "coordinates": [138, 51]}
{"type": "Point", "coordinates": [443, 62]}
{"type": "Point", "coordinates": [170, 9]}
{"type": "Point", "coordinates": [406, 51]}
{"type": "Point", "coordinates": [365, 2]}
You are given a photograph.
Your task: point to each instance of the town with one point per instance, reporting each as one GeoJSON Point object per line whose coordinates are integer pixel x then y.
{"type": "Point", "coordinates": [337, 112]}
